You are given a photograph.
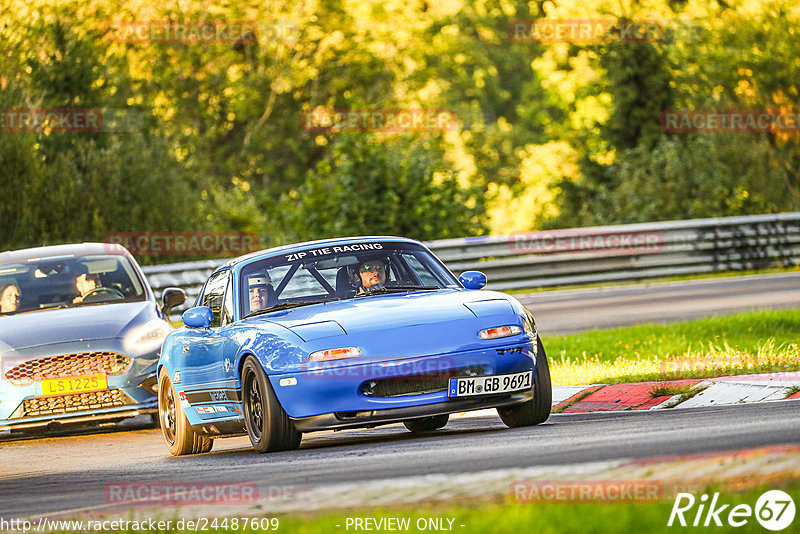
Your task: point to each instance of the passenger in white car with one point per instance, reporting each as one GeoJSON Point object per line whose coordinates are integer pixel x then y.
{"type": "Point", "coordinates": [9, 298]}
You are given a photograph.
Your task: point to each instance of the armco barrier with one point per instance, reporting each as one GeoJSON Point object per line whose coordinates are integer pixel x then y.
{"type": "Point", "coordinates": [190, 276]}
{"type": "Point", "coordinates": [589, 255]}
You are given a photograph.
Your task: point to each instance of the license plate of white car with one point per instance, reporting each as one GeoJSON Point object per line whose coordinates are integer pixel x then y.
{"type": "Point", "coordinates": [490, 384]}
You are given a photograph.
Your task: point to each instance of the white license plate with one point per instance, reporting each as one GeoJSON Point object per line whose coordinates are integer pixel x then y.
{"type": "Point", "coordinates": [490, 384]}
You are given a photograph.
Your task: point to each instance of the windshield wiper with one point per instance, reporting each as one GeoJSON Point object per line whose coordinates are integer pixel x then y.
{"type": "Point", "coordinates": [285, 306]}
{"type": "Point", "coordinates": [396, 289]}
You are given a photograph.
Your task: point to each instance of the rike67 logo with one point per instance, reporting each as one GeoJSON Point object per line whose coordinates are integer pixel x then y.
{"type": "Point", "coordinates": [774, 510]}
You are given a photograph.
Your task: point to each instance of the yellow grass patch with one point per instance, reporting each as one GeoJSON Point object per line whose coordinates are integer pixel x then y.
{"type": "Point", "coordinates": [716, 360]}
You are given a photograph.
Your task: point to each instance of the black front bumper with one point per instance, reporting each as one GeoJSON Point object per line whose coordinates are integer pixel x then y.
{"type": "Point", "coordinates": [366, 419]}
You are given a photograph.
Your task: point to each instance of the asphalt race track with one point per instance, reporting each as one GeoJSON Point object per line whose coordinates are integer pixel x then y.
{"type": "Point", "coordinates": [67, 474]}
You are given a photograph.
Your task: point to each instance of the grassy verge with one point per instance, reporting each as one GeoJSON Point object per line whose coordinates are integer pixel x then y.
{"type": "Point", "coordinates": [751, 342]}
{"type": "Point", "coordinates": [542, 517]}
{"type": "Point", "coordinates": [667, 389]}
{"type": "Point", "coordinates": [546, 517]}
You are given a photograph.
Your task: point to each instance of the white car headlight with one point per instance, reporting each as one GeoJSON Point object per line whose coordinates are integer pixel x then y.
{"type": "Point", "coordinates": [146, 338]}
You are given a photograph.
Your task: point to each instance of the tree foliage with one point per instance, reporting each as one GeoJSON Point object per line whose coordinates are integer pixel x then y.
{"type": "Point", "coordinates": [548, 134]}
{"type": "Point", "coordinates": [728, 57]}
{"type": "Point", "coordinates": [66, 186]}
{"type": "Point", "coordinates": [384, 187]}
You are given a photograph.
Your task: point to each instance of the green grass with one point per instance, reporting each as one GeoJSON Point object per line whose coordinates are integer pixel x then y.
{"type": "Point", "coordinates": [750, 342]}
{"type": "Point", "coordinates": [668, 389]}
{"type": "Point", "coordinates": [542, 517]}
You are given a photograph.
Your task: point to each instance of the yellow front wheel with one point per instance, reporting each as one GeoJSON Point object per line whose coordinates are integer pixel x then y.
{"type": "Point", "coordinates": [178, 434]}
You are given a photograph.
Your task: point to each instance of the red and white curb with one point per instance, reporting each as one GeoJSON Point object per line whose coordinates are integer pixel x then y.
{"type": "Point", "coordinates": [744, 389]}
{"type": "Point", "coordinates": [709, 392]}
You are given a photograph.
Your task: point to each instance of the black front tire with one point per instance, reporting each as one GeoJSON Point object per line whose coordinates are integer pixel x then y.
{"type": "Point", "coordinates": [268, 426]}
{"type": "Point", "coordinates": [536, 410]}
{"type": "Point", "coordinates": [427, 424]}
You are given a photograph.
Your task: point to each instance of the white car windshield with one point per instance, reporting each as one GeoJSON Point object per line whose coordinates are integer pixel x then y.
{"type": "Point", "coordinates": [47, 283]}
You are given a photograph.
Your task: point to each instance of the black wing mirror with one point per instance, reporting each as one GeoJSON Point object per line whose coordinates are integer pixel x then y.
{"type": "Point", "coordinates": [172, 297]}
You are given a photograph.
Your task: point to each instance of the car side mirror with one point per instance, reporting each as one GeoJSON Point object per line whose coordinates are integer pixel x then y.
{"type": "Point", "coordinates": [198, 317]}
{"type": "Point", "coordinates": [172, 297]}
{"type": "Point", "coordinates": [472, 279]}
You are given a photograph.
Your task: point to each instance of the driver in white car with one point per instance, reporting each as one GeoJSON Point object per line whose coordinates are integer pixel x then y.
{"type": "Point", "coordinates": [84, 283]}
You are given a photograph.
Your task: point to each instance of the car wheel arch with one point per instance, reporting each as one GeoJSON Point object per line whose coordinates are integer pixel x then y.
{"type": "Point", "coordinates": [240, 364]}
{"type": "Point", "coordinates": [159, 367]}
{"type": "Point", "coordinates": [242, 358]}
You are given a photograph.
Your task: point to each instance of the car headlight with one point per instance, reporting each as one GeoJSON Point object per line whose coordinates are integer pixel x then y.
{"type": "Point", "coordinates": [500, 331]}
{"type": "Point", "coordinates": [146, 338]}
{"type": "Point", "coordinates": [334, 354]}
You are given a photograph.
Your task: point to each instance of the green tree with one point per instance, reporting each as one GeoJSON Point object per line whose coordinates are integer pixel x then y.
{"type": "Point", "coordinates": [638, 79]}
{"type": "Point", "coordinates": [723, 59]}
{"type": "Point", "coordinates": [395, 186]}
{"type": "Point", "coordinates": [79, 185]}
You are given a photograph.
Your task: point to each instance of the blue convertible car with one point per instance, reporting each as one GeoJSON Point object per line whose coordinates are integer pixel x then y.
{"type": "Point", "coordinates": [345, 333]}
{"type": "Point", "coordinates": [80, 335]}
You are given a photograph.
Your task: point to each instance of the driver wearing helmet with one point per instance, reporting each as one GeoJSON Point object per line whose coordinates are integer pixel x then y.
{"type": "Point", "coordinates": [259, 287]}
{"type": "Point", "coordinates": [369, 275]}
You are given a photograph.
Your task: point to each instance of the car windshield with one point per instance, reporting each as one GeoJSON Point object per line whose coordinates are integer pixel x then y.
{"type": "Point", "coordinates": [339, 272]}
{"type": "Point", "coordinates": [67, 281]}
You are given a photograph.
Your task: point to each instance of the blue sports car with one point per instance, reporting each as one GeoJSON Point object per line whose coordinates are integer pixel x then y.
{"type": "Point", "coordinates": [345, 333]}
{"type": "Point", "coordinates": [80, 335]}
